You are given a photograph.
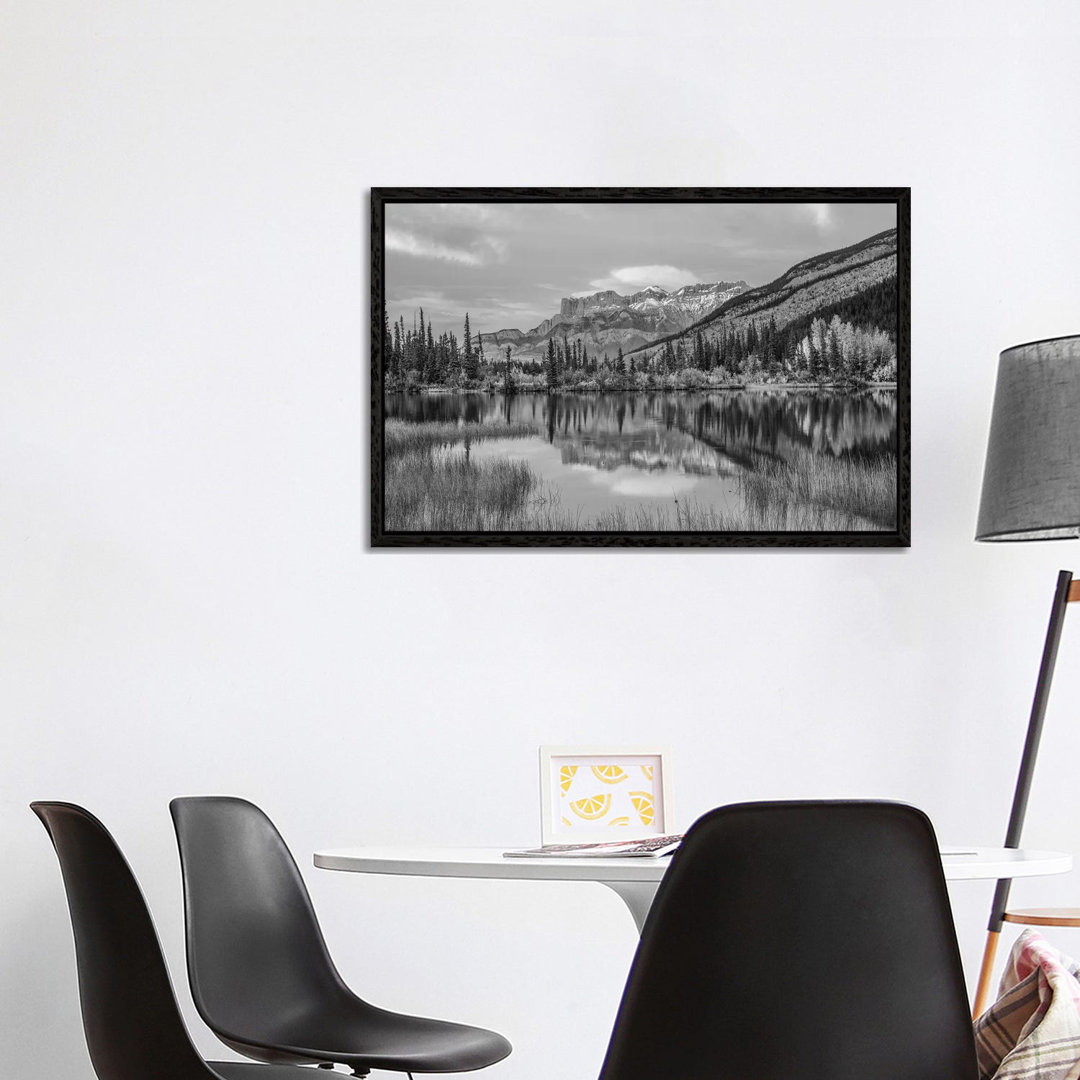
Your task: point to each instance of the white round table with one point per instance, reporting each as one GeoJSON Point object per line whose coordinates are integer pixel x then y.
{"type": "Point", "coordinates": [636, 879]}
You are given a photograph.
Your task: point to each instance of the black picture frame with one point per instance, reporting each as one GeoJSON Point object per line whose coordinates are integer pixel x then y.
{"type": "Point", "coordinates": [900, 536]}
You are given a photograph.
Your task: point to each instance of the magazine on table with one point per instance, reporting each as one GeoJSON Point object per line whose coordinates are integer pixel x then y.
{"type": "Point", "coordinates": [649, 847]}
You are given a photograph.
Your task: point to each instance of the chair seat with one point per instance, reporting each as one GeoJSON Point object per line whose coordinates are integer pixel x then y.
{"type": "Point", "coordinates": [364, 1037]}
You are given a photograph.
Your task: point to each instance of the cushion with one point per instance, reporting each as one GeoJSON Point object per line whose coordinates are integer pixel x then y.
{"type": "Point", "coordinates": [1032, 1031]}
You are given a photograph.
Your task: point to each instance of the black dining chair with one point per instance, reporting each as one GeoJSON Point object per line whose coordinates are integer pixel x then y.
{"type": "Point", "coordinates": [259, 969]}
{"type": "Point", "coordinates": [798, 941]}
{"type": "Point", "coordinates": [133, 1026]}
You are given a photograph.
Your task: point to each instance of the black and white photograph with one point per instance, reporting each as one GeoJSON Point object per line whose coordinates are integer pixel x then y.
{"type": "Point", "coordinates": [651, 367]}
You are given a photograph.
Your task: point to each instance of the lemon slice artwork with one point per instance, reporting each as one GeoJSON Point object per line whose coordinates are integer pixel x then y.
{"type": "Point", "coordinates": [624, 820]}
{"type": "Point", "coordinates": [643, 804]}
{"type": "Point", "coordinates": [609, 774]}
{"type": "Point", "coordinates": [592, 808]}
{"type": "Point", "coordinates": [647, 771]}
{"type": "Point", "coordinates": [566, 777]}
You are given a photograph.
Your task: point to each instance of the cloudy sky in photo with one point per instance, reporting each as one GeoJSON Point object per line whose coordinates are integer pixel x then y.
{"type": "Point", "coordinates": [510, 264]}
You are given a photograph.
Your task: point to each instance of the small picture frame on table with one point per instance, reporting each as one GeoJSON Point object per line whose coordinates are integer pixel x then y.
{"type": "Point", "coordinates": [591, 794]}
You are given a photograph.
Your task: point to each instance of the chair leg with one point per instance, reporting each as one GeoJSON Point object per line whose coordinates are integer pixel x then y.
{"type": "Point", "coordinates": [982, 992]}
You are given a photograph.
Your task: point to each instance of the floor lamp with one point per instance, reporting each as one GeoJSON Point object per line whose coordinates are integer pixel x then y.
{"type": "Point", "coordinates": [1031, 491]}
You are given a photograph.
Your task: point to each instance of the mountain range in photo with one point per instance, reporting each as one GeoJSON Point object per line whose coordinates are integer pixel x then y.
{"type": "Point", "coordinates": [639, 323]}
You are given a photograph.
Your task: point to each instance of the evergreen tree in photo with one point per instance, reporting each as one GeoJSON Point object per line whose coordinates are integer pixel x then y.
{"type": "Point", "coordinates": [508, 377]}
{"type": "Point", "coordinates": [466, 341]}
{"type": "Point", "coordinates": [552, 366]}
{"type": "Point", "coordinates": [699, 351]}
{"type": "Point", "coordinates": [770, 353]}
{"type": "Point", "coordinates": [470, 357]}
{"type": "Point", "coordinates": [392, 352]}
{"type": "Point", "coordinates": [421, 351]}
{"type": "Point", "coordinates": [813, 355]}
{"type": "Point", "coordinates": [668, 361]}
{"type": "Point", "coordinates": [453, 372]}
{"type": "Point", "coordinates": [387, 345]}
{"type": "Point", "coordinates": [682, 357]}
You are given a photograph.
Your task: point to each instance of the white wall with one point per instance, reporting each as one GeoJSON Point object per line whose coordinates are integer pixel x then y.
{"type": "Point", "coordinates": [187, 605]}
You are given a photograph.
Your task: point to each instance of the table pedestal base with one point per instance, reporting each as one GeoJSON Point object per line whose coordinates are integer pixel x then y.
{"type": "Point", "coordinates": [637, 896]}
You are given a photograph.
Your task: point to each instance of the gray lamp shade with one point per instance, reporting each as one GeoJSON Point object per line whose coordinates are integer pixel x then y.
{"type": "Point", "coordinates": [1031, 484]}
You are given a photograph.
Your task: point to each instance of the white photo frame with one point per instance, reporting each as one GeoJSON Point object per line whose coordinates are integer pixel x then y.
{"type": "Point", "coordinates": [590, 794]}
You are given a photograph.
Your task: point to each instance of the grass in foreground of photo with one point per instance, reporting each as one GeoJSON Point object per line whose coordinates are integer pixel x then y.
{"type": "Point", "coordinates": [432, 485]}
{"type": "Point", "coordinates": [813, 492]}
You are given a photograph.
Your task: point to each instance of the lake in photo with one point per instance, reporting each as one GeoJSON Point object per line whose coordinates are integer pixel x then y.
{"type": "Point", "coordinates": [734, 460]}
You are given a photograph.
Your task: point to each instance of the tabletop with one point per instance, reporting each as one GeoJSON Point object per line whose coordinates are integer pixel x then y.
{"type": "Point", "coordinates": [960, 863]}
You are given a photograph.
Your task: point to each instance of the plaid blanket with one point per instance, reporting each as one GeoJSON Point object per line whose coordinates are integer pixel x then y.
{"type": "Point", "coordinates": [1032, 1031]}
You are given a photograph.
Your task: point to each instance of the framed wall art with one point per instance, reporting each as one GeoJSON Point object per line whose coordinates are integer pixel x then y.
{"type": "Point", "coordinates": [596, 793]}
{"type": "Point", "coordinates": [640, 366]}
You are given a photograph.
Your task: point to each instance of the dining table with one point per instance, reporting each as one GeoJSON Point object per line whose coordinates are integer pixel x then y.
{"type": "Point", "coordinates": [635, 879]}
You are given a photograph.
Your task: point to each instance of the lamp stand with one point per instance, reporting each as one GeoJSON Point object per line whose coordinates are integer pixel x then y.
{"type": "Point", "coordinates": [1066, 591]}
